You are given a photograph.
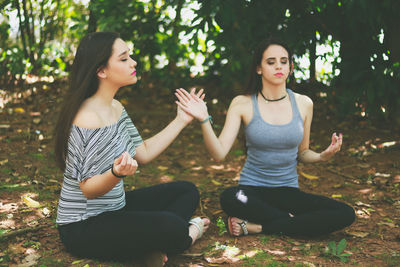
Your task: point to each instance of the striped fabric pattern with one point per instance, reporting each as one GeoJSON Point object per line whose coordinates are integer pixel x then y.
{"type": "Point", "coordinates": [92, 152]}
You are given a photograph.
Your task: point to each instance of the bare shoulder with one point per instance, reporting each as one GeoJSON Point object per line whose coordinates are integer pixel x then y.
{"type": "Point", "coordinates": [87, 118]}
{"type": "Point", "coordinates": [303, 101]}
{"type": "Point", "coordinates": [241, 102]}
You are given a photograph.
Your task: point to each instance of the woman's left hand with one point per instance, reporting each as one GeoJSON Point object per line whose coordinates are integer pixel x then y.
{"type": "Point", "coordinates": [184, 116]}
{"type": "Point", "coordinates": [333, 148]}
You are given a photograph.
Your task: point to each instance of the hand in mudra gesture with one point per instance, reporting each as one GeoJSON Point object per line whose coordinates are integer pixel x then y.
{"type": "Point", "coordinates": [333, 148]}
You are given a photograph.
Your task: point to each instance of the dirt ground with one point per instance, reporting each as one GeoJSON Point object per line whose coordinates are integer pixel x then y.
{"type": "Point", "coordinates": [365, 175]}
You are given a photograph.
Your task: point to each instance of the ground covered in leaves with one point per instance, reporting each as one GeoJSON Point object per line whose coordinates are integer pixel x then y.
{"type": "Point", "coordinates": [365, 174]}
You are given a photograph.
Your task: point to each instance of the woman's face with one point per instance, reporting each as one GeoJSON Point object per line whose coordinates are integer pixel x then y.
{"type": "Point", "coordinates": [120, 69]}
{"type": "Point", "coordinates": [275, 66]}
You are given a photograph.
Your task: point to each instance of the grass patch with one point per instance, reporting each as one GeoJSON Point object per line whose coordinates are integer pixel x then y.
{"type": "Point", "coordinates": [390, 259]}
{"type": "Point", "coordinates": [38, 156]}
{"type": "Point", "coordinates": [262, 259]}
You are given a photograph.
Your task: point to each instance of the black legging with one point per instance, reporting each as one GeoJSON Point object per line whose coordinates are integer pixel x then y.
{"type": "Point", "coordinates": [154, 219]}
{"type": "Point", "coordinates": [313, 215]}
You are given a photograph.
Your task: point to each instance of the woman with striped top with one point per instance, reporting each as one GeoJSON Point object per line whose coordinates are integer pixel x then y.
{"type": "Point", "coordinates": [277, 124]}
{"type": "Point", "coordinates": [97, 145]}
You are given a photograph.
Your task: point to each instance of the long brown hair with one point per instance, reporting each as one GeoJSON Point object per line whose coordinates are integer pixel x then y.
{"type": "Point", "coordinates": [254, 84]}
{"type": "Point", "coordinates": [93, 52]}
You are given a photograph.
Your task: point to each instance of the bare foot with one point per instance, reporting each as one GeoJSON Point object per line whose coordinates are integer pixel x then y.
{"type": "Point", "coordinates": [165, 258]}
{"type": "Point", "coordinates": [194, 231]}
{"type": "Point", "coordinates": [153, 259]}
{"type": "Point", "coordinates": [237, 230]}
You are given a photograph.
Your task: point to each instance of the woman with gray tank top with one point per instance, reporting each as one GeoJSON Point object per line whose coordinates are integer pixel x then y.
{"type": "Point", "coordinates": [277, 125]}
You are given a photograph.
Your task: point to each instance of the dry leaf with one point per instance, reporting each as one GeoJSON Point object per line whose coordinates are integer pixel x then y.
{"type": "Point", "coordinates": [19, 110]}
{"type": "Point", "coordinates": [359, 203]}
{"type": "Point", "coordinates": [365, 191]}
{"type": "Point", "coordinates": [217, 212]}
{"type": "Point", "coordinates": [275, 252]}
{"type": "Point", "coordinates": [30, 202]}
{"type": "Point", "coordinates": [357, 234]}
{"type": "Point", "coordinates": [217, 167]}
{"type": "Point", "coordinates": [165, 179]}
{"type": "Point", "coordinates": [215, 182]}
{"type": "Point", "coordinates": [308, 176]}
{"type": "Point", "coordinates": [162, 168]}
{"type": "Point", "coordinates": [390, 224]}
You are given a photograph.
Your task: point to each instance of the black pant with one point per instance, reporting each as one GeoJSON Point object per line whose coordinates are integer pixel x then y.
{"type": "Point", "coordinates": [154, 219]}
{"type": "Point", "coordinates": [313, 215]}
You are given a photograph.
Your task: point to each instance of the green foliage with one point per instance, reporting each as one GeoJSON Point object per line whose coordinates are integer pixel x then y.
{"type": "Point", "coordinates": [364, 80]}
{"type": "Point", "coordinates": [262, 259]}
{"type": "Point", "coordinates": [336, 251]}
{"type": "Point", "coordinates": [221, 226]}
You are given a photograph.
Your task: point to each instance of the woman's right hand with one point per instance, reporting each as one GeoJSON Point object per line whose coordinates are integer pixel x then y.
{"type": "Point", "coordinates": [192, 104]}
{"type": "Point", "coordinates": [125, 165]}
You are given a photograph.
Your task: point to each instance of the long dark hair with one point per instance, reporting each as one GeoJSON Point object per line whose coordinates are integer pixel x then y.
{"type": "Point", "coordinates": [93, 53]}
{"type": "Point", "coordinates": [254, 84]}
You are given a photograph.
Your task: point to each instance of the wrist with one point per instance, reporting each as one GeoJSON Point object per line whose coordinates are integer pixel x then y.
{"type": "Point", "coordinates": [206, 119]}
{"type": "Point", "coordinates": [322, 157]}
{"type": "Point", "coordinates": [116, 174]}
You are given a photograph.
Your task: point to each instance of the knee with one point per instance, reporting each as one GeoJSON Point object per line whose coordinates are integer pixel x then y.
{"type": "Point", "coordinates": [228, 197]}
{"type": "Point", "coordinates": [349, 216]}
{"type": "Point", "coordinates": [192, 188]}
{"type": "Point", "coordinates": [175, 234]}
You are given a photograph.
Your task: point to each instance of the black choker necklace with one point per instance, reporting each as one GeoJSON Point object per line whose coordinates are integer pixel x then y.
{"type": "Point", "coordinates": [272, 100]}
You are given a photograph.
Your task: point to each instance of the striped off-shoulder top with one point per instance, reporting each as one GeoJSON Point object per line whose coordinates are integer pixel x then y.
{"type": "Point", "coordinates": [92, 152]}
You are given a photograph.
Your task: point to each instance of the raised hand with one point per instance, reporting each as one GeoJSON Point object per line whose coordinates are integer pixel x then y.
{"type": "Point", "coordinates": [182, 95]}
{"type": "Point", "coordinates": [192, 103]}
{"type": "Point", "coordinates": [125, 165]}
{"type": "Point", "coordinates": [333, 148]}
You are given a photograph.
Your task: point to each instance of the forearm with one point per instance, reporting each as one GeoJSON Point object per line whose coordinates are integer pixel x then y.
{"type": "Point", "coordinates": [212, 143]}
{"type": "Point", "coordinates": [155, 145]}
{"type": "Point", "coordinates": [309, 156]}
{"type": "Point", "coordinates": [98, 185]}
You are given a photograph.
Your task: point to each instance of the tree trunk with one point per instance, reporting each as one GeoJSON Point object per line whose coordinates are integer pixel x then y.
{"type": "Point", "coordinates": [92, 24]}
{"type": "Point", "coordinates": [312, 50]}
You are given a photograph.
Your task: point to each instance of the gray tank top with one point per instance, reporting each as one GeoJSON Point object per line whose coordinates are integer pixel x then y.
{"type": "Point", "coordinates": [272, 149]}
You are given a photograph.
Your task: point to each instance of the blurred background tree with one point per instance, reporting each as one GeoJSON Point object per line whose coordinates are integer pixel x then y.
{"type": "Point", "coordinates": [347, 52]}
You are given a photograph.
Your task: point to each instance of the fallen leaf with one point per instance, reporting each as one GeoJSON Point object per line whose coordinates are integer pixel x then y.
{"type": "Point", "coordinates": [217, 212]}
{"type": "Point", "coordinates": [396, 179]}
{"type": "Point", "coordinates": [165, 179]}
{"type": "Point", "coordinates": [385, 175]}
{"type": "Point", "coordinates": [308, 176]}
{"type": "Point", "coordinates": [2, 162]}
{"type": "Point", "coordinates": [215, 182]}
{"type": "Point", "coordinates": [162, 168]}
{"type": "Point", "coordinates": [337, 196]}
{"type": "Point", "coordinates": [365, 191]}
{"type": "Point", "coordinates": [275, 252]}
{"type": "Point", "coordinates": [30, 202]}
{"type": "Point", "coordinates": [197, 168]}
{"type": "Point", "coordinates": [390, 224]}
{"type": "Point", "coordinates": [359, 203]}
{"type": "Point", "coordinates": [357, 234]}
{"type": "Point", "coordinates": [217, 167]}
{"type": "Point", "coordinates": [19, 110]}
{"type": "Point", "coordinates": [363, 165]}
{"type": "Point", "coordinates": [308, 264]}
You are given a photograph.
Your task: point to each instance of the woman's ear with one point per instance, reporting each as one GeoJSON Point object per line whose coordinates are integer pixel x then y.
{"type": "Point", "coordinates": [101, 73]}
{"type": "Point", "coordinates": [291, 68]}
{"type": "Point", "coordinates": [258, 70]}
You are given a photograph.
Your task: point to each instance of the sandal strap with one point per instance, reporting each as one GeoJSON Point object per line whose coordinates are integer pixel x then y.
{"type": "Point", "coordinates": [243, 225]}
{"type": "Point", "coordinates": [199, 224]}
